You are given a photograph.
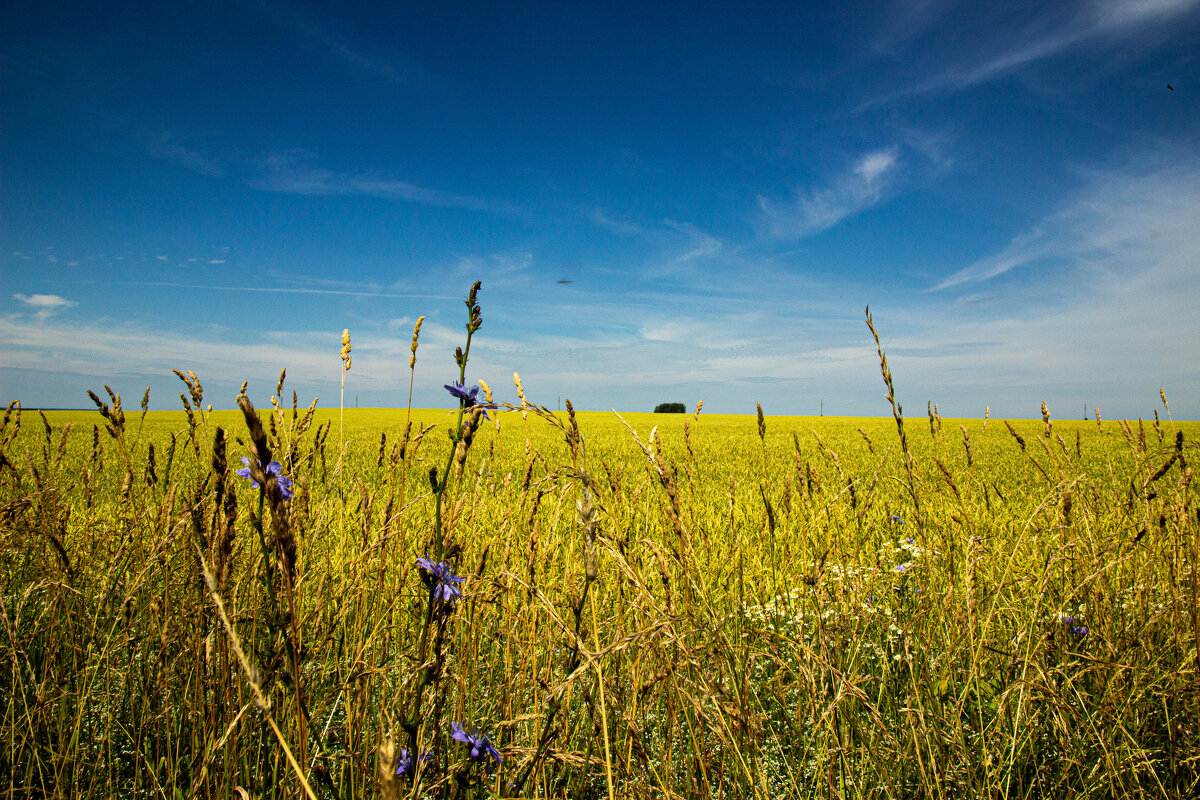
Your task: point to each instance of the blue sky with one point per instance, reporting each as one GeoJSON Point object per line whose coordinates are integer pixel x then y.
{"type": "Point", "coordinates": [1013, 188]}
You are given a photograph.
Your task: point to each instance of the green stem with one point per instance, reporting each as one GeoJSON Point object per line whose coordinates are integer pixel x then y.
{"type": "Point", "coordinates": [444, 478]}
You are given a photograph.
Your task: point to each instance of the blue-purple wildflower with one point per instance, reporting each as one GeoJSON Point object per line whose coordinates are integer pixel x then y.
{"type": "Point", "coordinates": [443, 581]}
{"type": "Point", "coordinates": [274, 468]}
{"type": "Point", "coordinates": [481, 746]}
{"type": "Point", "coordinates": [469, 397]}
{"type": "Point", "coordinates": [1079, 630]}
{"type": "Point", "coordinates": [897, 520]}
{"type": "Point", "coordinates": [406, 764]}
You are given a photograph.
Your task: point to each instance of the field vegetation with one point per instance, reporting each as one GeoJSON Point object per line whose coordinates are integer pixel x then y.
{"type": "Point", "coordinates": [504, 601]}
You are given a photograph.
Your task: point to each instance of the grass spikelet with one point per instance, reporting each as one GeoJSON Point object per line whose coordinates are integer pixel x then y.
{"type": "Point", "coordinates": [1013, 432]}
{"type": "Point", "coordinates": [521, 395]}
{"type": "Point", "coordinates": [898, 416]}
{"type": "Point", "coordinates": [412, 357]}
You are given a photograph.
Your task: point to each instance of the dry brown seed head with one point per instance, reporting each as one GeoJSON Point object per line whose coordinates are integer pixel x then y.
{"type": "Point", "coordinates": [487, 390]}
{"type": "Point", "coordinates": [345, 349]}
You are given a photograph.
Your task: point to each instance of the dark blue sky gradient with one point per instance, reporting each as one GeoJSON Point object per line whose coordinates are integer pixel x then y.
{"type": "Point", "coordinates": [224, 186]}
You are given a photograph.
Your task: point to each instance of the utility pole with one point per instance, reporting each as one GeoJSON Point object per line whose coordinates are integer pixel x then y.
{"type": "Point", "coordinates": [822, 406]}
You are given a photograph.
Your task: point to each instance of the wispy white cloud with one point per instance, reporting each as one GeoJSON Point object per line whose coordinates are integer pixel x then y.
{"type": "Point", "coordinates": [339, 43]}
{"type": "Point", "coordinates": [700, 244]}
{"type": "Point", "coordinates": [1054, 29]}
{"type": "Point", "coordinates": [863, 186]}
{"type": "Point", "coordinates": [1024, 249]}
{"type": "Point", "coordinates": [166, 146]}
{"type": "Point", "coordinates": [44, 305]}
{"type": "Point", "coordinates": [364, 292]}
{"type": "Point", "coordinates": [620, 227]}
{"type": "Point", "coordinates": [290, 172]}
{"type": "Point", "coordinates": [1138, 222]}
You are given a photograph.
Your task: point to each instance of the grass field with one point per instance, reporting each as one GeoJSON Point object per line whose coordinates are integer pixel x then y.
{"type": "Point", "coordinates": [664, 606]}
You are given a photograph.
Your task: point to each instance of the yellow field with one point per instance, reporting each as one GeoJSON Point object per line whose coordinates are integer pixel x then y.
{"type": "Point", "coordinates": [690, 610]}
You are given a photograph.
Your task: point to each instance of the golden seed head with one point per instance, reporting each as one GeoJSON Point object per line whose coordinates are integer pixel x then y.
{"type": "Point", "coordinates": [699, 406]}
{"type": "Point", "coordinates": [412, 359]}
{"type": "Point", "coordinates": [521, 394]}
{"type": "Point", "coordinates": [346, 348]}
{"type": "Point", "coordinates": [487, 390]}
{"type": "Point", "coordinates": [1162, 394]}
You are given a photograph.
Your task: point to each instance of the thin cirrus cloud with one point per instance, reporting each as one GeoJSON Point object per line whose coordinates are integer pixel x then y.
{"type": "Point", "coordinates": [862, 187]}
{"type": "Point", "coordinates": [1059, 28]}
{"type": "Point", "coordinates": [337, 44]}
{"type": "Point", "coordinates": [1133, 227]}
{"type": "Point", "coordinates": [166, 146]}
{"type": "Point", "coordinates": [291, 174]}
{"type": "Point", "coordinates": [700, 244]}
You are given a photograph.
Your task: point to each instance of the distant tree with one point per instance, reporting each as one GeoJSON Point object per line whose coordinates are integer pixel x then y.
{"type": "Point", "coordinates": [670, 408]}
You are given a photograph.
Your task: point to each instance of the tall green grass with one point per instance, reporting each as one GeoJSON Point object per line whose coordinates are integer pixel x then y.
{"type": "Point", "coordinates": [654, 606]}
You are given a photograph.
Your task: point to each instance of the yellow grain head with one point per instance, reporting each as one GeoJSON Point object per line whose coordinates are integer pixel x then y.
{"type": "Point", "coordinates": [487, 390]}
{"type": "Point", "coordinates": [346, 349]}
{"type": "Point", "coordinates": [521, 394]}
{"type": "Point", "coordinates": [412, 359]}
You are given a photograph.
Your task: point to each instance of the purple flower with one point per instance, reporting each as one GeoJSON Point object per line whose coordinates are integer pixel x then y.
{"type": "Point", "coordinates": [274, 468]}
{"type": "Point", "coordinates": [406, 765]}
{"type": "Point", "coordinates": [480, 744]}
{"type": "Point", "coordinates": [469, 397]}
{"type": "Point", "coordinates": [897, 519]}
{"type": "Point", "coordinates": [442, 580]}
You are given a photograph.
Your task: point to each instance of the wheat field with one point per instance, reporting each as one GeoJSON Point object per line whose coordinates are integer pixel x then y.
{"type": "Point", "coordinates": [544, 604]}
